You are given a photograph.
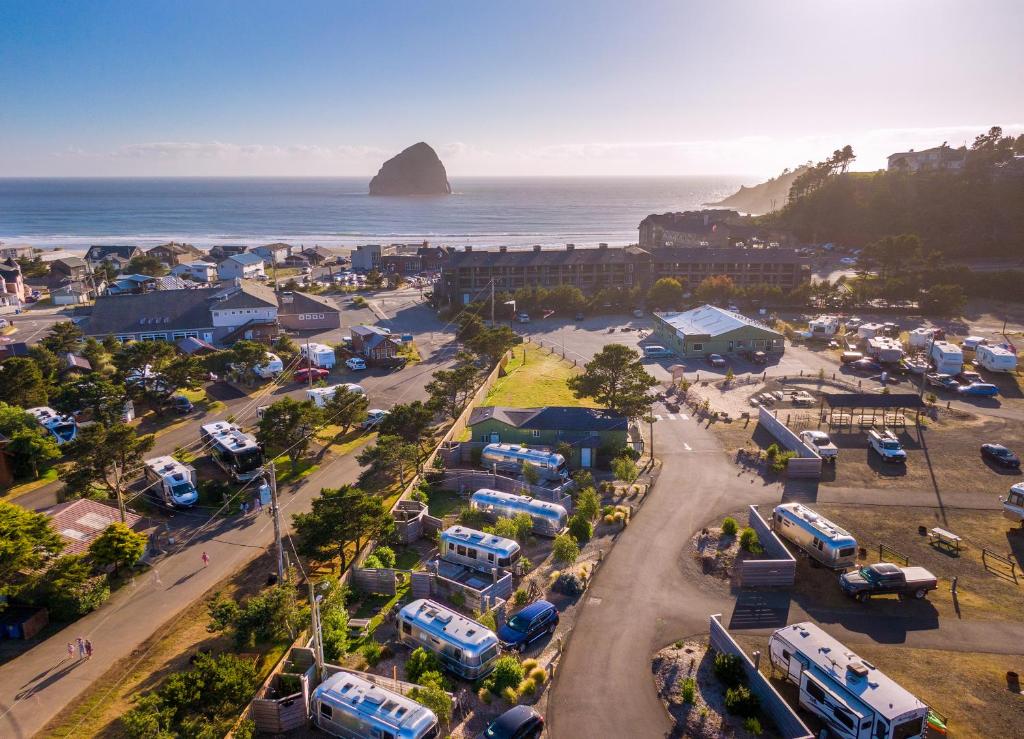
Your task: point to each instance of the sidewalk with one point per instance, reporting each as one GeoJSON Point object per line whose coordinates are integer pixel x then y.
{"type": "Point", "coordinates": [37, 685]}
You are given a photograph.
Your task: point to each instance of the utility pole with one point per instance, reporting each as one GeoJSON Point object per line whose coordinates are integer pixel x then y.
{"type": "Point", "coordinates": [275, 509]}
{"type": "Point", "coordinates": [120, 493]}
{"type": "Point", "coordinates": [492, 302]}
{"type": "Point", "coordinates": [318, 637]}
{"type": "Point", "coordinates": [309, 364]}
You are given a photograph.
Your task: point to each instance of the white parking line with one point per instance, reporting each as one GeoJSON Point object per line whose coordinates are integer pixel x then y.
{"type": "Point", "coordinates": [683, 417]}
{"type": "Point", "coordinates": [687, 447]}
{"type": "Point", "coordinates": [671, 417]}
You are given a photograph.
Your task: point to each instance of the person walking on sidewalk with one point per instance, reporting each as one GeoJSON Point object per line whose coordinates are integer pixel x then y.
{"type": "Point", "coordinates": [71, 650]}
{"type": "Point", "coordinates": [88, 649]}
{"type": "Point", "coordinates": [81, 647]}
{"type": "Point", "coordinates": [206, 559]}
{"type": "Point", "coordinates": [245, 508]}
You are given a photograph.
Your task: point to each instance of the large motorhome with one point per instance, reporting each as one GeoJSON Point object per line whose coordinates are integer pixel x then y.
{"type": "Point", "coordinates": [235, 451]}
{"type": "Point", "coordinates": [62, 428]}
{"type": "Point", "coordinates": [350, 706]}
{"type": "Point", "coordinates": [996, 358]}
{"type": "Point", "coordinates": [848, 693]}
{"type": "Point", "coordinates": [822, 327]}
{"type": "Point", "coordinates": [319, 355]}
{"type": "Point", "coordinates": [465, 647]}
{"type": "Point", "coordinates": [947, 358]}
{"type": "Point", "coordinates": [548, 518]}
{"type": "Point", "coordinates": [513, 457]}
{"type": "Point", "coordinates": [885, 349]}
{"type": "Point", "coordinates": [816, 535]}
{"type": "Point", "coordinates": [321, 396]}
{"type": "Point", "coordinates": [475, 549]}
{"type": "Point", "coordinates": [174, 482]}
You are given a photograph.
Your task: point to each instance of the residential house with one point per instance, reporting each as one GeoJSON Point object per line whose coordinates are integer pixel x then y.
{"type": "Point", "coordinates": [298, 261]}
{"type": "Point", "coordinates": [144, 283]}
{"type": "Point", "coordinates": [12, 286]}
{"type": "Point", "coordinates": [372, 343]}
{"type": "Point", "coordinates": [318, 256]}
{"type": "Point", "coordinates": [938, 158]}
{"type": "Point", "coordinates": [220, 252]}
{"type": "Point", "coordinates": [273, 253]}
{"type": "Point", "coordinates": [74, 292]}
{"type": "Point", "coordinates": [75, 364]}
{"type": "Point", "coordinates": [16, 251]}
{"type": "Point", "coordinates": [173, 253]}
{"type": "Point", "coordinates": [68, 269]}
{"type": "Point", "coordinates": [242, 267]}
{"type": "Point", "coordinates": [79, 522]}
{"type": "Point", "coordinates": [596, 435]}
{"type": "Point", "coordinates": [117, 255]}
{"type": "Point", "coordinates": [217, 315]}
{"type": "Point", "coordinates": [432, 258]}
{"type": "Point", "coordinates": [712, 330]}
{"type": "Point", "coordinates": [297, 311]}
{"type": "Point", "coordinates": [367, 257]}
{"type": "Point", "coordinates": [691, 228]}
{"type": "Point", "coordinates": [196, 271]}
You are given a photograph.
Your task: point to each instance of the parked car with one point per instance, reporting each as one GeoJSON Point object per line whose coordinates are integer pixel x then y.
{"type": "Point", "coordinates": [848, 261]}
{"type": "Point", "coordinates": [887, 446]}
{"type": "Point", "coordinates": [355, 363]}
{"type": "Point", "coordinates": [637, 313]}
{"type": "Point", "coordinates": [979, 390]}
{"type": "Point", "coordinates": [523, 318]}
{"type": "Point", "coordinates": [968, 377]}
{"type": "Point", "coordinates": [180, 404]}
{"type": "Point", "coordinates": [303, 375]}
{"type": "Point", "coordinates": [865, 364]}
{"type": "Point", "coordinates": [579, 316]}
{"type": "Point", "coordinates": [531, 623]}
{"type": "Point", "coordinates": [941, 381]}
{"type": "Point", "coordinates": [654, 351]}
{"type": "Point", "coordinates": [4, 323]}
{"type": "Point", "coordinates": [1000, 455]}
{"type": "Point", "coordinates": [850, 357]}
{"type": "Point", "coordinates": [822, 443]}
{"type": "Point", "coordinates": [756, 357]}
{"type": "Point", "coordinates": [885, 578]}
{"type": "Point", "coordinates": [373, 417]}
{"type": "Point", "coordinates": [518, 722]}
{"type": "Point", "coordinates": [716, 360]}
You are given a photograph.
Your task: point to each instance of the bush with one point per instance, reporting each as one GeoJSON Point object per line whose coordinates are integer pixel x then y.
{"type": "Point", "coordinates": [539, 675]}
{"type": "Point", "coordinates": [510, 696]}
{"type": "Point", "coordinates": [607, 510]}
{"type": "Point", "coordinates": [624, 469]}
{"type": "Point", "coordinates": [580, 528]}
{"type": "Point", "coordinates": [519, 527]}
{"type": "Point", "coordinates": [520, 597]}
{"type": "Point", "coordinates": [434, 697]}
{"type": "Point", "coordinates": [609, 518]}
{"type": "Point", "coordinates": [729, 669]}
{"type": "Point", "coordinates": [529, 665]}
{"type": "Point", "coordinates": [781, 461]}
{"type": "Point", "coordinates": [689, 690]}
{"type": "Point", "coordinates": [507, 674]}
{"type": "Point", "coordinates": [527, 687]}
{"type": "Point", "coordinates": [373, 562]}
{"type": "Point", "coordinates": [472, 518]}
{"type": "Point", "coordinates": [588, 503]}
{"type": "Point", "coordinates": [752, 726]}
{"type": "Point", "coordinates": [420, 496]}
{"type": "Point", "coordinates": [565, 549]}
{"type": "Point", "coordinates": [741, 702]}
{"type": "Point", "coordinates": [70, 590]}
{"type": "Point", "coordinates": [729, 526]}
{"type": "Point", "coordinates": [749, 541]}
{"type": "Point", "coordinates": [486, 618]}
{"type": "Point", "coordinates": [373, 652]}
{"type": "Point", "coordinates": [569, 583]}
{"type": "Point", "coordinates": [458, 599]}
{"type": "Point", "coordinates": [386, 555]}
{"type": "Point", "coordinates": [421, 661]}
{"type": "Point", "coordinates": [485, 696]}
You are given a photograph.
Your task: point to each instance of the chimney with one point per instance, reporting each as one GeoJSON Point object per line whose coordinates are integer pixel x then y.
{"type": "Point", "coordinates": [502, 249]}
{"type": "Point", "coordinates": [570, 247]}
{"type": "Point", "coordinates": [536, 247]}
{"type": "Point", "coordinates": [467, 248]}
{"type": "Point", "coordinates": [602, 245]}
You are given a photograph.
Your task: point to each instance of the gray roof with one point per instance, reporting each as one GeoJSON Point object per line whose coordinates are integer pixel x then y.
{"type": "Point", "coordinates": [160, 310]}
{"type": "Point", "coordinates": [246, 295]}
{"type": "Point", "coordinates": [98, 252]}
{"type": "Point", "coordinates": [710, 320]}
{"type": "Point", "coordinates": [245, 258]}
{"type": "Point", "coordinates": [530, 257]}
{"type": "Point", "coordinates": [303, 303]}
{"type": "Point", "coordinates": [69, 262]}
{"type": "Point", "coordinates": [552, 418]}
{"type": "Point", "coordinates": [367, 331]}
{"type": "Point", "coordinates": [726, 255]}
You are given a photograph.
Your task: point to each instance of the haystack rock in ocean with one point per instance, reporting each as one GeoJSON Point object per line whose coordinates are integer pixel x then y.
{"type": "Point", "coordinates": [416, 171]}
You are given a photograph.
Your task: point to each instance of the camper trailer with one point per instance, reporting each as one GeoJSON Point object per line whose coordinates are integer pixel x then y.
{"type": "Point", "coordinates": [816, 535]}
{"type": "Point", "coordinates": [512, 458]}
{"type": "Point", "coordinates": [350, 706]}
{"type": "Point", "coordinates": [233, 450]}
{"type": "Point", "coordinates": [849, 694]}
{"type": "Point", "coordinates": [475, 549]}
{"type": "Point", "coordinates": [321, 396]}
{"type": "Point", "coordinates": [173, 482]}
{"type": "Point", "coordinates": [885, 349]}
{"type": "Point", "coordinates": [465, 647]}
{"type": "Point", "coordinates": [996, 358]}
{"type": "Point", "coordinates": [62, 428]}
{"type": "Point", "coordinates": [548, 518]}
{"type": "Point", "coordinates": [822, 327]}
{"type": "Point", "coordinates": [870, 330]}
{"type": "Point", "coordinates": [319, 355]}
{"type": "Point", "coordinates": [272, 366]}
{"type": "Point", "coordinates": [947, 358]}
{"type": "Point", "coordinates": [1013, 504]}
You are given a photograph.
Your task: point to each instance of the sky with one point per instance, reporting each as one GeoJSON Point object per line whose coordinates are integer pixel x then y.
{"type": "Point", "coordinates": [554, 87]}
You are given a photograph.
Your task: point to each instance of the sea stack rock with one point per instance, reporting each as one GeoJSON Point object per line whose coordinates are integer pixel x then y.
{"type": "Point", "coordinates": [416, 171]}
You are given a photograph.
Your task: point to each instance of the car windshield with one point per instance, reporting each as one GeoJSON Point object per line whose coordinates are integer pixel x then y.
{"type": "Point", "coordinates": [1000, 451]}
{"type": "Point", "coordinates": [248, 460]}
{"type": "Point", "coordinates": [183, 491]}
{"type": "Point", "coordinates": [519, 623]}
{"type": "Point", "coordinates": [890, 445]}
{"type": "Point", "coordinates": [867, 573]}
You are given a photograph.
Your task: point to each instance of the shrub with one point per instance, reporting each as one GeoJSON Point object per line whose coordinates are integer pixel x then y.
{"type": "Point", "coordinates": [519, 527]}
{"type": "Point", "coordinates": [529, 665]}
{"type": "Point", "coordinates": [781, 461]}
{"type": "Point", "coordinates": [420, 661]}
{"type": "Point", "coordinates": [605, 510]}
{"type": "Point", "coordinates": [70, 590]}
{"type": "Point", "coordinates": [741, 702]}
{"type": "Point", "coordinates": [730, 375]}
{"type": "Point", "coordinates": [568, 583]}
{"type": "Point", "coordinates": [472, 518]}
{"type": "Point", "coordinates": [565, 549]}
{"type": "Point", "coordinates": [510, 696]}
{"type": "Point", "coordinates": [525, 565]}
{"type": "Point", "coordinates": [527, 687]}
{"type": "Point", "coordinates": [520, 597]}
{"type": "Point", "coordinates": [752, 726]}
{"type": "Point", "coordinates": [486, 618]}
{"type": "Point", "coordinates": [609, 518]}
{"type": "Point", "coordinates": [729, 669]}
{"type": "Point", "coordinates": [434, 697]}
{"type": "Point", "coordinates": [689, 690]}
{"type": "Point", "coordinates": [729, 526]}
{"type": "Point", "coordinates": [588, 504]}
{"type": "Point", "coordinates": [386, 555]}
{"type": "Point", "coordinates": [419, 496]}
{"type": "Point", "coordinates": [772, 451]}
{"type": "Point", "coordinates": [624, 469]}
{"type": "Point", "coordinates": [485, 696]}
{"type": "Point", "coordinates": [539, 675]}
{"type": "Point", "coordinates": [507, 674]}
{"type": "Point", "coordinates": [373, 562]}
{"type": "Point", "coordinates": [373, 651]}
{"type": "Point", "coordinates": [749, 541]}
{"type": "Point", "coordinates": [580, 528]}
{"type": "Point", "coordinates": [679, 644]}
{"type": "Point", "coordinates": [619, 517]}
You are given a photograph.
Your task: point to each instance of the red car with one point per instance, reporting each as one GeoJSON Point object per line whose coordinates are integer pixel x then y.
{"type": "Point", "coordinates": [303, 375]}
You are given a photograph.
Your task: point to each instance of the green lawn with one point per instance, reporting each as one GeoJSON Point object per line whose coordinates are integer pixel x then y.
{"type": "Point", "coordinates": [535, 378]}
{"type": "Point", "coordinates": [442, 502]}
{"type": "Point", "coordinates": [27, 487]}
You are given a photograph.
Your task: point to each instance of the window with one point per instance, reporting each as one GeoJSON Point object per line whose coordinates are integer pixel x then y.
{"type": "Point", "coordinates": [698, 347]}
{"type": "Point", "coordinates": [406, 627]}
{"type": "Point", "coordinates": [326, 710]}
{"type": "Point", "coordinates": [461, 550]}
{"type": "Point", "coordinates": [814, 690]}
{"type": "Point", "coordinates": [490, 557]}
{"type": "Point", "coordinates": [471, 553]}
{"type": "Point", "coordinates": [535, 434]}
{"type": "Point", "coordinates": [843, 717]}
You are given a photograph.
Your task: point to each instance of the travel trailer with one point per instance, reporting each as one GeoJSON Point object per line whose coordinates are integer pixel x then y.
{"type": "Point", "coordinates": [272, 366]}
{"type": "Point", "coordinates": [513, 457]}
{"type": "Point", "coordinates": [174, 482]}
{"type": "Point", "coordinates": [849, 694]}
{"type": "Point", "coordinates": [234, 451]}
{"type": "Point", "coordinates": [920, 337]}
{"type": "Point", "coordinates": [822, 327]}
{"type": "Point", "coordinates": [320, 355]}
{"type": "Point", "coordinates": [870, 330]}
{"type": "Point", "coordinates": [63, 428]}
{"type": "Point", "coordinates": [475, 549]}
{"type": "Point", "coordinates": [885, 349]}
{"type": "Point", "coordinates": [947, 358]}
{"type": "Point", "coordinates": [816, 535]}
{"type": "Point", "coordinates": [350, 706]}
{"type": "Point", "coordinates": [996, 358]}
{"type": "Point", "coordinates": [548, 518]}
{"type": "Point", "coordinates": [465, 647]}
{"type": "Point", "coordinates": [321, 396]}
{"type": "Point", "coordinates": [1013, 504]}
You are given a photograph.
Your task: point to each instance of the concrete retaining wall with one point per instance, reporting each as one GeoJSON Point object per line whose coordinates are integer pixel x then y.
{"type": "Point", "coordinates": [786, 719]}
{"type": "Point", "coordinates": [779, 566]}
{"type": "Point", "coordinates": [807, 463]}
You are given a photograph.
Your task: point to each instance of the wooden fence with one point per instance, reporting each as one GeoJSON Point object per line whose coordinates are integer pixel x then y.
{"type": "Point", "coordinates": [807, 463]}
{"type": "Point", "coordinates": [278, 707]}
{"type": "Point", "coordinates": [466, 482]}
{"type": "Point", "coordinates": [374, 580]}
{"type": "Point", "coordinates": [779, 566]}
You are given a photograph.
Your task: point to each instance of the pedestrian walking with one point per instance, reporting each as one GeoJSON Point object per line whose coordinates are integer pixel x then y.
{"type": "Point", "coordinates": [206, 559]}
{"type": "Point", "coordinates": [81, 647]}
{"type": "Point", "coordinates": [259, 502]}
{"type": "Point", "coordinates": [71, 650]}
{"type": "Point", "coordinates": [88, 649]}
{"type": "Point", "coordinates": [245, 508]}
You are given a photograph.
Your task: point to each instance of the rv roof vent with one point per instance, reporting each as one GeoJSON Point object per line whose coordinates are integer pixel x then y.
{"type": "Point", "coordinates": [471, 632]}
{"type": "Point", "coordinates": [401, 711]}
{"type": "Point", "coordinates": [857, 669]}
{"type": "Point", "coordinates": [345, 688]}
{"type": "Point", "coordinates": [374, 695]}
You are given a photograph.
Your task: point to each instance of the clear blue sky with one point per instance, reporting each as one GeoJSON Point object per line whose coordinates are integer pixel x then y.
{"type": "Point", "coordinates": [556, 87]}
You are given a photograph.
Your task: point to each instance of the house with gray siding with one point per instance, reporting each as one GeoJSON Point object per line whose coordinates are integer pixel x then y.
{"type": "Point", "coordinates": [299, 311]}
{"type": "Point", "coordinates": [713, 330]}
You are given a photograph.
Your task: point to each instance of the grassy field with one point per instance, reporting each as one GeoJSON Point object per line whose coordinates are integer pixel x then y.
{"type": "Point", "coordinates": [27, 487]}
{"type": "Point", "coordinates": [535, 378]}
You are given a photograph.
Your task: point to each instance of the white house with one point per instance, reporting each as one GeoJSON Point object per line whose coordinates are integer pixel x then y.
{"type": "Point", "coordinates": [242, 267]}
{"type": "Point", "coordinates": [196, 271]}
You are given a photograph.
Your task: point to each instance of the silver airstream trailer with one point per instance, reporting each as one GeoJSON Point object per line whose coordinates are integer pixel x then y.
{"type": "Point", "coordinates": [465, 647]}
{"type": "Point", "coordinates": [350, 706]}
{"type": "Point", "coordinates": [466, 546]}
{"type": "Point", "coordinates": [820, 538]}
{"type": "Point", "coordinates": [513, 457]}
{"type": "Point", "coordinates": [548, 518]}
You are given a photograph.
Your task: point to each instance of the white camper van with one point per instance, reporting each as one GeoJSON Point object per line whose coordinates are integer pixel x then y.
{"type": "Point", "coordinates": [947, 358]}
{"type": "Point", "coordinates": [849, 694]}
{"type": "Point", "coordinates": [272, 366]}
{"type": "Point", "coordinates": [995, 358]}
{"type": "Point", "coordinates": [174, 482]}
{"type": "Point", "coordinates": [321, 396]}
{"type": "Point", "coordinates": [349, 705]}
{"type": "Point", "coordinates": [320, 355]}
{"type": "Point", "coordinates": [816, 535]}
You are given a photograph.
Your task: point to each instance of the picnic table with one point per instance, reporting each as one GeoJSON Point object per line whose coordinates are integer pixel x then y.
{"type": "Point", "coordinates": [942, 538]}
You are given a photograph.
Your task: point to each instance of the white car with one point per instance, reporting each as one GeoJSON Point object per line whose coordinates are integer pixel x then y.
{"type": "Point", "coordinates": [849, 261]}
{"type": "Point", "coordinates": [373, 417]}
{"type": "Point", "coordinates": [523, 318]}
{"type": "Point", "coordinates": [355, 363]}
{"type": "Point", "coordinates": [822, 443]}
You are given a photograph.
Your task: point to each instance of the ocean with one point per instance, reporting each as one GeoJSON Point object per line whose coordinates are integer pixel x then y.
{"type": "Point", "coordinates": [336, 211]}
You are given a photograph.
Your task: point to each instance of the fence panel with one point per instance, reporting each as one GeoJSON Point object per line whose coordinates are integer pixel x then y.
{"type": "Point", "coordinates": [780, 570]}
{"type": "Point", "coordinates": [373, 580]}
{"type": "Point", "coordinates": [807, 463]}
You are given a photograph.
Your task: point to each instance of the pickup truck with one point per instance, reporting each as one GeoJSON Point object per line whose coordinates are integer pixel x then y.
{"type": "Point", "coordinates": [943, 382]}
{"type": "Point", "coordinates": [887, 446]}
{"type": "Point", "coordinates": [820, 441]}
{"type": "Point", "coordinates": [884, 579]}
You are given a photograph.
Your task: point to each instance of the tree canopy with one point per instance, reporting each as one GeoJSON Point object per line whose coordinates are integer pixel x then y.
{"type": "Point", "coordinates": [118, 545]}
{"type": "Point", "coordinates": [340, 518]}
{"type": "Point", "coordinates": [616, 379]}
{"type": "Point", "coordinates": [105, 457]}
{"type": "Point", "coordinates": [22, 383]}
{"type": "Point", "coordinates": [26, 543]}
{"type": "Point", "coordinates": [666, 293]}
{"type": "Point", "coordinates": [287, 427]}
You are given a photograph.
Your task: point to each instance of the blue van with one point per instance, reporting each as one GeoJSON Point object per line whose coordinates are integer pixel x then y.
{"type": "Point", "coordinates": [531, 623]}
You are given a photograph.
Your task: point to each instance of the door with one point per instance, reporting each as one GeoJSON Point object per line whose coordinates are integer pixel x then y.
{"type": "Point", "coordinates": [586, 457]}
{"type": "Point", "coordinates": [494, 437]}
{"type": "Point", "coordinates": [796, 669]}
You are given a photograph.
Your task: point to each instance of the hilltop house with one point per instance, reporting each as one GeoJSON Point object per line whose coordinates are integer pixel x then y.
{"type": "Point", "coordinates": [937, 158]}
{"type": "Point", "coordinates": [712, 330]}
{"type": "Point", "coordinates": [596, 435]}
{"type": "Point", "coordinates": [117, 254]}
{"type": "Point", "coordinates": [318, 256]}
{"type": "Point", "coordinates": [299, 311]}
{"type": "Point", "coordinates": [144, 283]}
{"type": "Point", "coordinates": [74, 292]}
{"type": "Point", "coordinates": [242, 267]}
{"type": "Point", "coordinates": [220, 252]}
{"type": "Point", "coordinates": [372, 343]}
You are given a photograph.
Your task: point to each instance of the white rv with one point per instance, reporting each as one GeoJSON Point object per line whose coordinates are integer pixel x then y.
{"type": "Point", "coordinates": [849, 694]}
{"type": "Point", "coordinates": [1013, 504]}
{"type": "Point", "coordinates": [272, 366]}
{"type": "Point", "coordinates": [996, 358]}
{"type": "Point", "coordinates": [174, 482]}
{"type": "Point", "coordinates": [348, 705]}
{"type": "Point", "coordinates": [870, 330]}
{"type": "Point", "coordinates": [320, 355]}
{"type": "Point", "coordinates": [947, 358]}
{"type": "Point", "coordinates": [549, 519]}
{"type": "Point", "coordinates": [465, 647]}
{"type": "Point", "coordinates": [920, 337]}
{"type": "Point", "coordinates": [321, 396]}
{"type": "Point", "coordinates": [820, 538]}
{"type": "Point", "coordinates": [885, 349]}
{"type": "Point", "coordinates": [475, 549]}
{"type": "Point", "coordinates": [63, 428]}
{"type": "Point", "coordinates": [823, 327]}
{"type": "Point", "coordinates": [233, 450]}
